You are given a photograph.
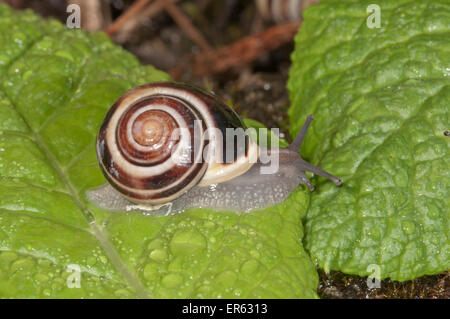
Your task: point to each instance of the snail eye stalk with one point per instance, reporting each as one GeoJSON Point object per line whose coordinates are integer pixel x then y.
{"type": "Point", "coordinates": [304, 165]}
{"type": "Point", "coordinates": [297, 143]}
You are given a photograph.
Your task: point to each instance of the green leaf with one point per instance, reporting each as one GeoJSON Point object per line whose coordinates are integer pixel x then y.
{"type": "Point", "coordinates": [381, 99]}
{"type": "Point", "coordinates": [55, 88]}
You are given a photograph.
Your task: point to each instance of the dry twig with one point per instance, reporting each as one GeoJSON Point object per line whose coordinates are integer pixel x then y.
{"type": "Point", "coordinates": [169, 5]}
{"type": "Point", "coordinates": [241, 52]}
{"type": "Point", "coordinates": [183, 21]}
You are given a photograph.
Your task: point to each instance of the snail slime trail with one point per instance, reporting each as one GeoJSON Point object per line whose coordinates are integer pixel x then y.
{"type": "Point", "coordinates": [166, 147]}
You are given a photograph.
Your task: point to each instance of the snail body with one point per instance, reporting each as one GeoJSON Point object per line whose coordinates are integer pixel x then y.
{"type": "Point", "coordinates": [162, 149]}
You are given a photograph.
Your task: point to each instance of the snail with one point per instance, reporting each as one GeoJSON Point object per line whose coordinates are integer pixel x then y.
{"type": "Point", "coordinates": [280, 11]}
{"type": "Point", "coordinates": [162, 149]}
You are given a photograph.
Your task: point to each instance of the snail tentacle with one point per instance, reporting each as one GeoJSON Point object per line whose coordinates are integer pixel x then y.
{"type": "Point", "coordinates": [298, 141]}
{"type": "Point", "coordinates": [304, 165]}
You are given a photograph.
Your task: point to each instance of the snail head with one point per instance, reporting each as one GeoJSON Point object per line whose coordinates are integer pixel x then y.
{"type": "Point", "coordinates": [303, 166]}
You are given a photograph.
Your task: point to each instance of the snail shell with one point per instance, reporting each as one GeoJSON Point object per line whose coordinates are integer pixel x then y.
{"type": "Point", "coordinates": [151, 143]}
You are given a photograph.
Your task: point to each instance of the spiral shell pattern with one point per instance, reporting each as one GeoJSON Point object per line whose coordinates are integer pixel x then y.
{"type": "Point", "coordinates": [139, 152]}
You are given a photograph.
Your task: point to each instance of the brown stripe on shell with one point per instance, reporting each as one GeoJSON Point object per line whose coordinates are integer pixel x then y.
{"type": "Point", "coordinates": [143, 184]}
{"type": "Point", "coordinates": [230, 117]}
